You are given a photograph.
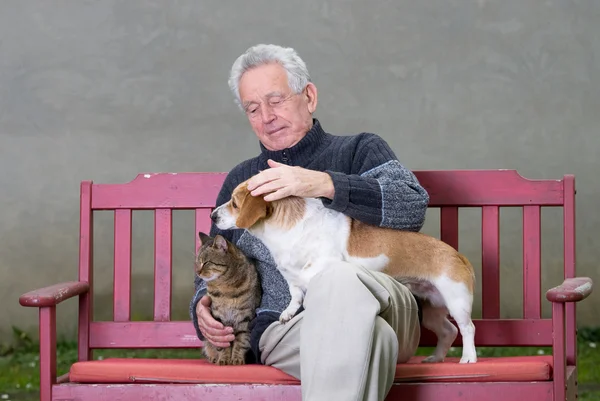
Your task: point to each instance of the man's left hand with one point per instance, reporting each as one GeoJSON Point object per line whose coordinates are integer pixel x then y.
{"type": "Point", "coordinates": [282, 180]}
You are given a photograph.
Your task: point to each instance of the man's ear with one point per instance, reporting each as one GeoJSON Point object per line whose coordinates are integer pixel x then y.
{"type": "Point", "coordinates": [311, 97]}
{"type": "Point", "coordinates": [252, 209]}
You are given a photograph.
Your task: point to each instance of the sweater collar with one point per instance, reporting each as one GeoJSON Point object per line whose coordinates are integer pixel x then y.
{"type": "Point", "coordinates": [301, 153]}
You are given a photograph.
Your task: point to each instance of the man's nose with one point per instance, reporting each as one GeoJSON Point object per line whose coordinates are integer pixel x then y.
{"type": "Point", "coordinates": [267, 114]}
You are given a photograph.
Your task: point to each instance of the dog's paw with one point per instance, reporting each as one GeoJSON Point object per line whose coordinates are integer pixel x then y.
{"type": "Point", "coordinates": [468, 359]}
{"type": "Point", "coordinates": [286, 316]}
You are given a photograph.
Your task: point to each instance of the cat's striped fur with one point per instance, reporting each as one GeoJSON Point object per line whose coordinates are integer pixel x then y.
{"type": "Point", "coordinates": [234, 288]}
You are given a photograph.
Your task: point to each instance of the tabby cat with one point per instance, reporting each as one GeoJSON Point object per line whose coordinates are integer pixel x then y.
{"type": "Point", "coordinates": [234, 288]}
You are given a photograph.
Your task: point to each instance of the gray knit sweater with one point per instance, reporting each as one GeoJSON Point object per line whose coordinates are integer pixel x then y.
{"type": "Point", "coordinates": [370, 185]}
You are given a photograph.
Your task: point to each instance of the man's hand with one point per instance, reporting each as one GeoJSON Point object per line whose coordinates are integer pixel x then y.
{"type": "Point", "coordinates": [282, 180]}
{"type": "Point", "coordinates": [213, 331]}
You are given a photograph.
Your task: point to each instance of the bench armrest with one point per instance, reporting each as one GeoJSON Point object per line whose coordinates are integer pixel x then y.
{"type": "Point", "coordinates": [54, 294]}
{"type": "Point", "coordinates": [571, 290]}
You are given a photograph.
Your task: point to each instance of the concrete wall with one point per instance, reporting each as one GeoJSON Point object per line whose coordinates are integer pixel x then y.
{"type": "Point", "coordinates": [105, 90]}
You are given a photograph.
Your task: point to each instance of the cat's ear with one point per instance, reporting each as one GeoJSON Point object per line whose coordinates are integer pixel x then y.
{"type": "Point", "coordinates": [220, 243]}
{"type": "Point", "coordinates": [203, 238]}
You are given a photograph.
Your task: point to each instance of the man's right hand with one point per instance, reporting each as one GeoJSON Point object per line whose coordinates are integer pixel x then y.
{"type": "Point", "coordinates": [212, 330]}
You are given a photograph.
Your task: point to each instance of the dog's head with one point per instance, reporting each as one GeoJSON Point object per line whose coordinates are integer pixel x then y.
{"type": "Point", "coordinates": [242, 211]}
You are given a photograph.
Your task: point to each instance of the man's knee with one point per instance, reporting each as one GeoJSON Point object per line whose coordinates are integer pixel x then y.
{"type": "Point", "coordinates": [385, 341]}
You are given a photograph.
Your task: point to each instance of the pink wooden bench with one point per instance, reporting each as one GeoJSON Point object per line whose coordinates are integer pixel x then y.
{"type": "Point", "coordinates": [540, 378]}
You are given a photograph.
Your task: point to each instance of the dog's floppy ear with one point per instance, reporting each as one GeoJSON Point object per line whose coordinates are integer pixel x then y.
{"type": "Point", "coordinates": [252, 209]}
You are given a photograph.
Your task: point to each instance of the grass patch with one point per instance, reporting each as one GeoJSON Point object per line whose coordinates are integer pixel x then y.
{"type": "Point", "coordinates": [19, 363]}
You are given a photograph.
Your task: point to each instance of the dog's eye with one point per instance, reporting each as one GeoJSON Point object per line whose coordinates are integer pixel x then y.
{"type": "Point", "coordinates": [233, 204]}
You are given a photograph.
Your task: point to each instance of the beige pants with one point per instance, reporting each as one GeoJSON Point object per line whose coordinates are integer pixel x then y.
{"type": "Point", "coordinates": [356, 326]}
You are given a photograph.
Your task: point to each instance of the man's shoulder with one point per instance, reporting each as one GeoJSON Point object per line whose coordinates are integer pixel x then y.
{"type": "Point", "coordinates": [359, 139]}
{"type": "Point", "coordinates": [363, 144]}
{"type": "Point", "coordinates": [243, 171]}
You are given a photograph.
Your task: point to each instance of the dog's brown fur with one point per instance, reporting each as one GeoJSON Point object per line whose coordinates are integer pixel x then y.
{"type": "Point", "coordinates": [252, 209]}
{"type": "Point", "coordinates": [411, 254]}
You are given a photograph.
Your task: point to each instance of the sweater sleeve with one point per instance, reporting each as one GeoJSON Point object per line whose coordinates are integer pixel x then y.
{"type": "Point", "coordinates": [199, 284]}
{"type": "Point", "coordinates": [379, 190]}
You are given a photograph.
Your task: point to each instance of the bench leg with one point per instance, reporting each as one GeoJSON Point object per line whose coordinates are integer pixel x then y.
{"type": "Point", "coordinates": [47, 351]}
{"type": "Point", "coordinates": [559, 351]}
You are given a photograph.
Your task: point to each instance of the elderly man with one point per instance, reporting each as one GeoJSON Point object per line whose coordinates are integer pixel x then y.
{"type": "Point", "coordinates": [355, 325]}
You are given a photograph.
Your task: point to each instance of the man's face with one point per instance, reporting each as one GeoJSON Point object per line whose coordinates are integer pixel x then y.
{"type": "Point", "coordinates": [279, 117]}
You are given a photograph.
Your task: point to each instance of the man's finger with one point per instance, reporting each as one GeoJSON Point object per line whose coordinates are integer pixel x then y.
{"type": "Point", "coordinates": [262, 178]}
{"type": "Point", "coordinates": [218, 335]}
{"type": "Point", "coordinates": [273, 164]}
{"type": "Point", "coordinates": [271, 186]}
{"type": "Point", "coordinates": [280, 194]}
{"type": "Point", "coordinates": [220, 344]}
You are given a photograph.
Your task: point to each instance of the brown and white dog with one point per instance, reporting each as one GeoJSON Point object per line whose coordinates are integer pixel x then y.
{"type": "Point", "coordinates": [303, 237]}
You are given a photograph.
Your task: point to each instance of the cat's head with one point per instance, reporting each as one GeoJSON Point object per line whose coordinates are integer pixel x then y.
{"type": "Point", "coordinates": [214, 257]}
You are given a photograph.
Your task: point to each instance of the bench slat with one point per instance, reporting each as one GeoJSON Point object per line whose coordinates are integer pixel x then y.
{"type": "Point", "coordinates": [163, 235]}
{"type": "Point", "coordinates": [86, 270]}
{"type": "Point", "coordinates": [160, 190]}
{"type": "Point", "coordinates": [490, 263]}
{"type": "Point", "coordinates": [181, 334]}
{"type": "Point", "coordinates": [532, 251]}
{"type": "Point", "coordinates": [488, 187]}
{"type": "Point", "coordinates": [569, 263]}
{"type": "Point", "coordinates": [449, 225]}
{"type": "Point", "coordinates": [203, 223]}
{"type": "Point", "coordinates": [122, 266]}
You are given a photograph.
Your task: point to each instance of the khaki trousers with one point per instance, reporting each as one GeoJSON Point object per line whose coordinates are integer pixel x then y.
{"type": "Point", "coordinates": [356, 326]}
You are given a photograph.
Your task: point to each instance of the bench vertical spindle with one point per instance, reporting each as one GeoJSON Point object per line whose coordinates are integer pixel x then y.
{"type": "Point", "coordinates": [122, 268]}
{"type": "Point", "coordinates": [163, 239]}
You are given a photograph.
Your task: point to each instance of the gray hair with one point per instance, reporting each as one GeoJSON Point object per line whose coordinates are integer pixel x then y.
{"type": "Point", "coordinates": [295, 67]}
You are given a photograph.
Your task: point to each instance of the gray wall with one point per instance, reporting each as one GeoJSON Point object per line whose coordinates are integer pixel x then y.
{"type": "Point", "coordinates": [105, 90]}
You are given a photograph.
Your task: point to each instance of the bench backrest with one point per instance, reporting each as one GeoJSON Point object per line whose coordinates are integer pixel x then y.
{"type": "Point", "coordinates": [163, 193]}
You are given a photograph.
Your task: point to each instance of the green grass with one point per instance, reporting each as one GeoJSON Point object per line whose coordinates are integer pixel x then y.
{"type": "Point", "coordinates": [19, 363]}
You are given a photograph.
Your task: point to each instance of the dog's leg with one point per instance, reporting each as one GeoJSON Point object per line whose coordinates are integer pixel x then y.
{"type": "Point", "coordinates": [297, 295]}
{"type": "Point", "coordinates": [435, 319]}
{"type": "Point", "coordinates": [459, 302]}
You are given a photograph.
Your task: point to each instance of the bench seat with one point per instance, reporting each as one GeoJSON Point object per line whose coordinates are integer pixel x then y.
{"type": "Point", "coordinates": [147, 370]}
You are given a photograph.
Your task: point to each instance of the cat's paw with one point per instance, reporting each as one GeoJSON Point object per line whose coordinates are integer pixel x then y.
{"type": "Point", "coordinates": [238, 360]}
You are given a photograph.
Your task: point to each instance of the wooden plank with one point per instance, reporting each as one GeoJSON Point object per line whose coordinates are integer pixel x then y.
{"type": "Point", "coordinates": [570, 264]}
{"type": "Point", "coordinates": [47, 319]}
{"type": "Point", "coordinates": [528, 332]}
{"type": "Point", "coordinates": [449, 225]}
{"type": "Point", "coordinates": [559, 350]}
{"type": "Point", "coordinates": [122, 266]}
{"type": "Point", "coordinates": [160, 190]}
{"type": "Point", "coordinates": [163, 239]}
{"type": "Point", "coordinates": [490, 263]}
{"type": "Point", "coordinates": [488, 188]}
{"type": "Point", "coordinates": [143, 335]}
{"type": "Point", "coordinates": [532, 270]}
{"type": "Point", "coordinates": [86, 269]}
{"type": "Point", "coordinates": [464, 391]}
{"type": "Point", "coordinates": [446, 188]}
{"type": "Point", "coordinates": [203, 223]}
